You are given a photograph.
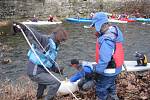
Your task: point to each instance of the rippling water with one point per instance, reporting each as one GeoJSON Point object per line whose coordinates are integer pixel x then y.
{"type": "Point", "coordinates": [81, 45]}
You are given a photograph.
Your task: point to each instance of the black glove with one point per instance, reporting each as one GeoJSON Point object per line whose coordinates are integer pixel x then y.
{"type": "Point", "coordinates": [16, 29]}
{"type": "Point", "coordinates": [95, 76]}
{"type": "Point", "coordinates": [56, 70]}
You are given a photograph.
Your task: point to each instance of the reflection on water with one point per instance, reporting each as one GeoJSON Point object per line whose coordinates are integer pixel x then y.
{"type": "Point", "coordinates": [80, 45]}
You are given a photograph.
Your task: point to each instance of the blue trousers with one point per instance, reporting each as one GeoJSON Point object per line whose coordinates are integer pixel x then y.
{"type": "Point", "coordinates": [105, 86]}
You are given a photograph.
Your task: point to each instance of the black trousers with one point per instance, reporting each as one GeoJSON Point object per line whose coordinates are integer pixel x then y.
{"type": "Point", "coordinates": [40, 90]}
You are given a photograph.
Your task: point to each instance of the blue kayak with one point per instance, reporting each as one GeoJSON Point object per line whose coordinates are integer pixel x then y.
{"type": "Point", "coordinates": [79, 20]}
{"type": "Point", "coordinates": [141, 19]}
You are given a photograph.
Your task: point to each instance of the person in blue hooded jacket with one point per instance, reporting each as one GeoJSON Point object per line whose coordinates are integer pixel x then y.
{"type": "Point", "coordinates": [107, 67]}
{"type": "Point", "coordinates": [83, 74]}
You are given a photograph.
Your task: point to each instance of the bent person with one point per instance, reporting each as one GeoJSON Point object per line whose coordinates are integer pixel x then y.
{"type": "Point", "coordinates": [47, 52]}
{"type": "Point", "coordinates": [83, 73]}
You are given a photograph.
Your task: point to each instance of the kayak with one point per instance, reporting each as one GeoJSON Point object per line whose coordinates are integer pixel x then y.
{"type": "Point", "coordinates": [40, 23]}
{"type": "Point", "coordinates": [143, 19]}
{"type": "Point", "coordinates": [123, 20]}
{"type": "Point", "coordinates": [130, 66]}
{"type": "Point", "coordinates": [128, 20]}
{"type": "Point", "coordinates": [79, 20]}
{"type": "Point", "coordinates": [87, 20]}
{"type": "Point", "coordinates": [117, 21]}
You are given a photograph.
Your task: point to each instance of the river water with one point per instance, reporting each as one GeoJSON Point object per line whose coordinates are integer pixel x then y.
{"type": "Point", "coordinates": [80, 45]}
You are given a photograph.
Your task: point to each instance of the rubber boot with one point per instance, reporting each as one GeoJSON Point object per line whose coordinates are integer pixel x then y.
{"type": "Point", "coordinates": [40, 91]}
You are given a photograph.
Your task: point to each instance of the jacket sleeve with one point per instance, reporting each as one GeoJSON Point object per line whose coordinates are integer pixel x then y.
{"type": "Point", "coordinates": [76, 76]}
{"type": "Point", "coordinates": [33, 34]}
{"type": "Point", "coordinates": [37, 35]}
{"type": "Point", "coordinates": [106, 50]}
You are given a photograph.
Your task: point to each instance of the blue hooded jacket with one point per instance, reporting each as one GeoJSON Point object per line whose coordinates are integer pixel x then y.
{"type": "Point", "coordinates": [106, 50]}
{"type": "Point", "coordinates": [107, 44]}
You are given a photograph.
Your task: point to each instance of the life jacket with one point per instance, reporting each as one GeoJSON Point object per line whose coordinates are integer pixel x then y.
{"type": "Point", "coordinates": [50, 18]}
{"type": "Point", "coordinates": [47, 58]}
{"type": "Point", "coordinates": [118, 55]}
{"type": "Point", "coordinates": [97, 51]}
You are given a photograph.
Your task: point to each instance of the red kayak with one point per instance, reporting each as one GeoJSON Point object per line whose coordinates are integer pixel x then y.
{"type": "Point", "coordinates": [128, 20]}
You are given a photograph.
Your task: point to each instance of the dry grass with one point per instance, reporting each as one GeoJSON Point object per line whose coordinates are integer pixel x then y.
{"type": "Point", "coordinates": [25, 89]}
{"type": "Point", "coordinates": [130, 86]}
{"type": "Point", "coordinates": [22, 90]}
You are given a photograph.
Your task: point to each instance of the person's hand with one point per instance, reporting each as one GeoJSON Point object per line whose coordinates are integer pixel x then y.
{"type": "Point", "coordinates": [18, 26]}
{"type": "Point", "coordinates": [88, 64]}
{"type": "Point", "coordinates": [62, 70]}
{"type": "Point", "coordinates": [87, 69]}
{"type": "Point", "coordinates": [94, 67]}
{"type": "Point", "coordinates": [58, 70]}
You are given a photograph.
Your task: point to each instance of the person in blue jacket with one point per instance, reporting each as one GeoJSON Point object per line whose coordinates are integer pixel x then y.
{"type": "Point", "coordinates": [106, 68]}
{"type": "Point", "coordinates": [34, 19]}
{"type": "Point", "coordinates": [46, 47]}
{"type": "Point", "coordinates": [83, 74]}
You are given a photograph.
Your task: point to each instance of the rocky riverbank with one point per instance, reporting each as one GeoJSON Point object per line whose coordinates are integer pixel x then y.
{"type": "Point", "coordinates": [15, 85]}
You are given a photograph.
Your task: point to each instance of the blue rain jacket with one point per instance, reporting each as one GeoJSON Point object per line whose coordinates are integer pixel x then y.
{"type": "Point", "coordinates": [107, 47]}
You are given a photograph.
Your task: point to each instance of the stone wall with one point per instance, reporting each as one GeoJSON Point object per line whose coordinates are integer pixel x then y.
{"type": "Point", "coordinates": [42, 8]}
{"type": "Point", "coordinates": [15, 9]}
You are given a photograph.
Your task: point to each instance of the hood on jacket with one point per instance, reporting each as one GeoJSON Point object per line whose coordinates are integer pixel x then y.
{"type": "Point", "coordinates": [98, 20]}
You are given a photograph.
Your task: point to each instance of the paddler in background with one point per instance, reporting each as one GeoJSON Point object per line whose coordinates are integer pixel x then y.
{"type": "Point", "coordinates": [91, 15]}
{"type": "Point", "coordinates": [123, 16]}
{"type": "Point", "coordinates": [34, 19]}
{"type": "Point", "coordinates": [50, 18]}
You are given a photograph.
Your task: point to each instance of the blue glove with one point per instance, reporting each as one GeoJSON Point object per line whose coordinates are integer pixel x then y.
{"type": "Point", "coordinates": [87, 69]}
